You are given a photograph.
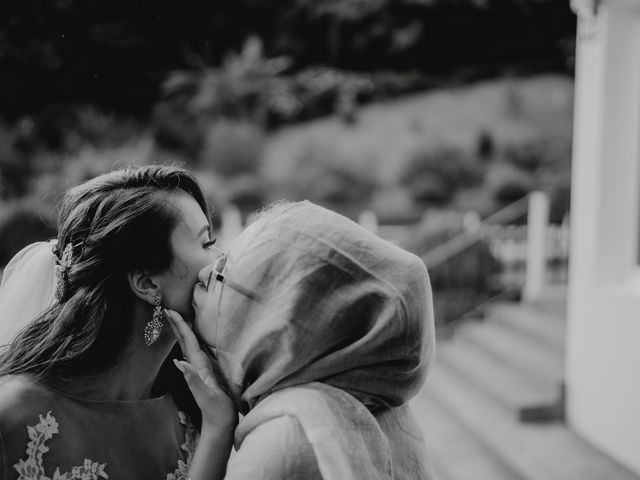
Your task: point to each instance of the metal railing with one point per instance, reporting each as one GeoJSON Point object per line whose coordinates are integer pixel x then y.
{"type": "Point", "coordinates": [468, 238]}
{"type": "Point", "coordinates": [466, 282]}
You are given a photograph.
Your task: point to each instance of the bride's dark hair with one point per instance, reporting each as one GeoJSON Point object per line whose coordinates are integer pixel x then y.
{"type": "Point", "coordinates": [117, 223]}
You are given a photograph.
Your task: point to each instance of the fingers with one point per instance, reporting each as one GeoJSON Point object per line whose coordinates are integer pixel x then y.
{"type": "Point", "coordinates": [187, 339]}
{"type": "Point", "coordinates": [200, 382]}
{"type": "Point", "coordinates": [218, 409]}
{"type": "Point", "coordinates": [175, 331]}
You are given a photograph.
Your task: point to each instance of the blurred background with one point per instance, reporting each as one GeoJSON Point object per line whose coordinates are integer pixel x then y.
{"type": "Point", "coordinates": [443, 125]}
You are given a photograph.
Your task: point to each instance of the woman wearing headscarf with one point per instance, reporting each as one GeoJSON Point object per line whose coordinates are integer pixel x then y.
{"type": "Point", "coordinates": [322, 333]}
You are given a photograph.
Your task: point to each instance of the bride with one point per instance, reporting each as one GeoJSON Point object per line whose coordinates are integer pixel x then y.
{"type": "Point", "coordinates": [88, 390]}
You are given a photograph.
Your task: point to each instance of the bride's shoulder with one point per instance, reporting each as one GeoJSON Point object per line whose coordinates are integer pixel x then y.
{"type": "Point", "coordinates": [20, 397]}
{"type": "Point", "coordinates": [19, 386]}
{"type": "Point", "coordinates": [25, 418]}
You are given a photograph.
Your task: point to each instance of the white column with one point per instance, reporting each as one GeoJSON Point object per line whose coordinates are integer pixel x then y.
{"type": "Point", "coordinates": [537, 220]}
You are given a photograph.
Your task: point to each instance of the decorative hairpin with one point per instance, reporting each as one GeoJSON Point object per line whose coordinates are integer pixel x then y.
{"type": "Point", "coordinates": [61, 269]}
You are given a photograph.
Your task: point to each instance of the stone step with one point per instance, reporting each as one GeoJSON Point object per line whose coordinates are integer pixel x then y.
{"type": "Point", "coordinates": [506, 384]}
{"type": "Point", "coordinates": [545, 326]}
{"type": "Point", "coordinates": [455, 454]}
{"type": "Point", "coordinates": [534, 452]}
{"type": "Point", "coordinates": [553, 300]}
{"type": "Point", "coordinates": [533, 359]}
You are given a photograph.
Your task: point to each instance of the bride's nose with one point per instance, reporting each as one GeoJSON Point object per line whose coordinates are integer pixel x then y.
{"type": "Point", "coordinates": [218, 265]}
{"type": "Point", "coordinates": [203, 275]}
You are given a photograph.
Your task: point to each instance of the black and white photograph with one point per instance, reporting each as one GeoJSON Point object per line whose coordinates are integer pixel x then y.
{"type": "Point", "coordinates": [320, 240]}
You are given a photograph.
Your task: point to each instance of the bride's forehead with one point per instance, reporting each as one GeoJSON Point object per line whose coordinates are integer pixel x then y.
{"type": "Point", "coordinates": [191, 218]}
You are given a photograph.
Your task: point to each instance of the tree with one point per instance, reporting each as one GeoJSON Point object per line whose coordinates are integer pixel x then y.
{"type": "Point", "coordinates": [340, 12]}
{"type": "Point", "coordinates": [243, 89]}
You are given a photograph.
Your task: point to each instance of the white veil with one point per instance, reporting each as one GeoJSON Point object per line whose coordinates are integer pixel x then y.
{"type": "Point", "coordinates": [28, 288]}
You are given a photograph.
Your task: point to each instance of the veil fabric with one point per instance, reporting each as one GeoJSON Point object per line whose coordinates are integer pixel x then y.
{"type": "Point", "coordinates": [27, 288]}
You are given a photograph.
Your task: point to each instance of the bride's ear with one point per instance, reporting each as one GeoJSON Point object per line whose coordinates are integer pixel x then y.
{"type": "Point", "coordinates": [143, 286]}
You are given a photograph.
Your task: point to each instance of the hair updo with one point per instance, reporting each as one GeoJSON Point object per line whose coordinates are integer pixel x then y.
{"type": "Point", "coordinates": [108, 226]}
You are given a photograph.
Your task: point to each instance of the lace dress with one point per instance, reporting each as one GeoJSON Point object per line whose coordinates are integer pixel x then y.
{"type": "Point", "coordinates": [47, 435]}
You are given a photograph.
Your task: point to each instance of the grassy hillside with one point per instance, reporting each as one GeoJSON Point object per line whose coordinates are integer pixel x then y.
{"type": "Point", "coordinates": [510, 111]}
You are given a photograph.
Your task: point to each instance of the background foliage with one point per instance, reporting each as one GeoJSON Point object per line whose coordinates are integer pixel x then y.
{"type": "Point", "coordinates": [395, 106]}
{"type": "Point", "coordinates": [116, 54]}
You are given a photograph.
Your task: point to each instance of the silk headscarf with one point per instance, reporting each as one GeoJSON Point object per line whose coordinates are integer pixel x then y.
{"type": "Point", "coordinates": [328, 302]}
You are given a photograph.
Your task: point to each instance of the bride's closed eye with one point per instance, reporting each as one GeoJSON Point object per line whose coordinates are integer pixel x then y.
{"type": "Point", "coordinates": [210, 243]}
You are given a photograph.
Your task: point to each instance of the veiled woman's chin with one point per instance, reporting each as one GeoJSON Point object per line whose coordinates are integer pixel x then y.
{"type": "Point", "coordinates": [204, 330]}
{"type": "Point", "coordinates": [188, 314]}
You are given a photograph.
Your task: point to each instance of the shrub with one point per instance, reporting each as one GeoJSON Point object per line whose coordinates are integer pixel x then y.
{"type": "Point", "coordinates": [319, 91]}
{"type": "Point", "coordinates": [244, 88]}
{"type": "Point", "coordinates": [21, 224]}
{"type": "Point", "coordinates": [325, 175]}
{"type": "Point", "coordinates": [59, 172]}
{"type": "Point", "coordinates": [323, 91]}
{"type": "Point", "coordinates": [69, 127]}
{"type": "Point", "coordinates": [16, 165]}
{"type": "Point", "coordinates": [247, 192]}
{"type": "Point", "coordinates": [514, 100]}
{"type": "Point", "coordinates": [339, 185]}
{"type": "Point", "coordinates": [513, 186]}
{"type": "Point", "coordinates": [250, 86]}
{"type": "Point", "coordinates": [15, 174]}
{"type": "Point", "coordinates": [232, 147]}
{"type": "Point", "coordinates": [539, 153]}
{"type": "Point", "coordinates": [176, 129]}
{"type": "Point", "coordinates": [434, 175]}
{"type": "Point", "coordinates": [485, 145]}
{"type": "Point", "coordinates": [100, 129]}
{"type": "Point", "coordinates": [431, 190]}
{"type": "Point", "coordinates": [394, 206]}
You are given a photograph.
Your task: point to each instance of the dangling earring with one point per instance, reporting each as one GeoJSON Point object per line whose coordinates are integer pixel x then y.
{"type": "Point", "coordinates": [154, 326]}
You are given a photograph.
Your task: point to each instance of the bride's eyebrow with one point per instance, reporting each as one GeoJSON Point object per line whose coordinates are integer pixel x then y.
{"type": "Point", "coordinates": [204, 229]}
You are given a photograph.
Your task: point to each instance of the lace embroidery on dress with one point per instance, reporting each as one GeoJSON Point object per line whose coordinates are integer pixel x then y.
{"type": "Point", "coordinates": [188, 447]}
{"type": "Point", "coordinates": [31, 468]}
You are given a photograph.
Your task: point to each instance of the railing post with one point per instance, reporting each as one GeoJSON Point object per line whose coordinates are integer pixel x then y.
{"type": "Point", "coordinates": [369, 221]}
{"type": "Point", "coordinates": [231, 225]}
{"type": "Point", "coordinates": [471, 221]}
{"type": "Point", "coordinates": [537, 223]}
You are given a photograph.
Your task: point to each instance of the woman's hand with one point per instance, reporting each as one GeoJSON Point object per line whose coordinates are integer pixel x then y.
{"type": "Point", "coordinates": [218, 410]}
{"type": "Point", "coordinates": [219, 416]}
